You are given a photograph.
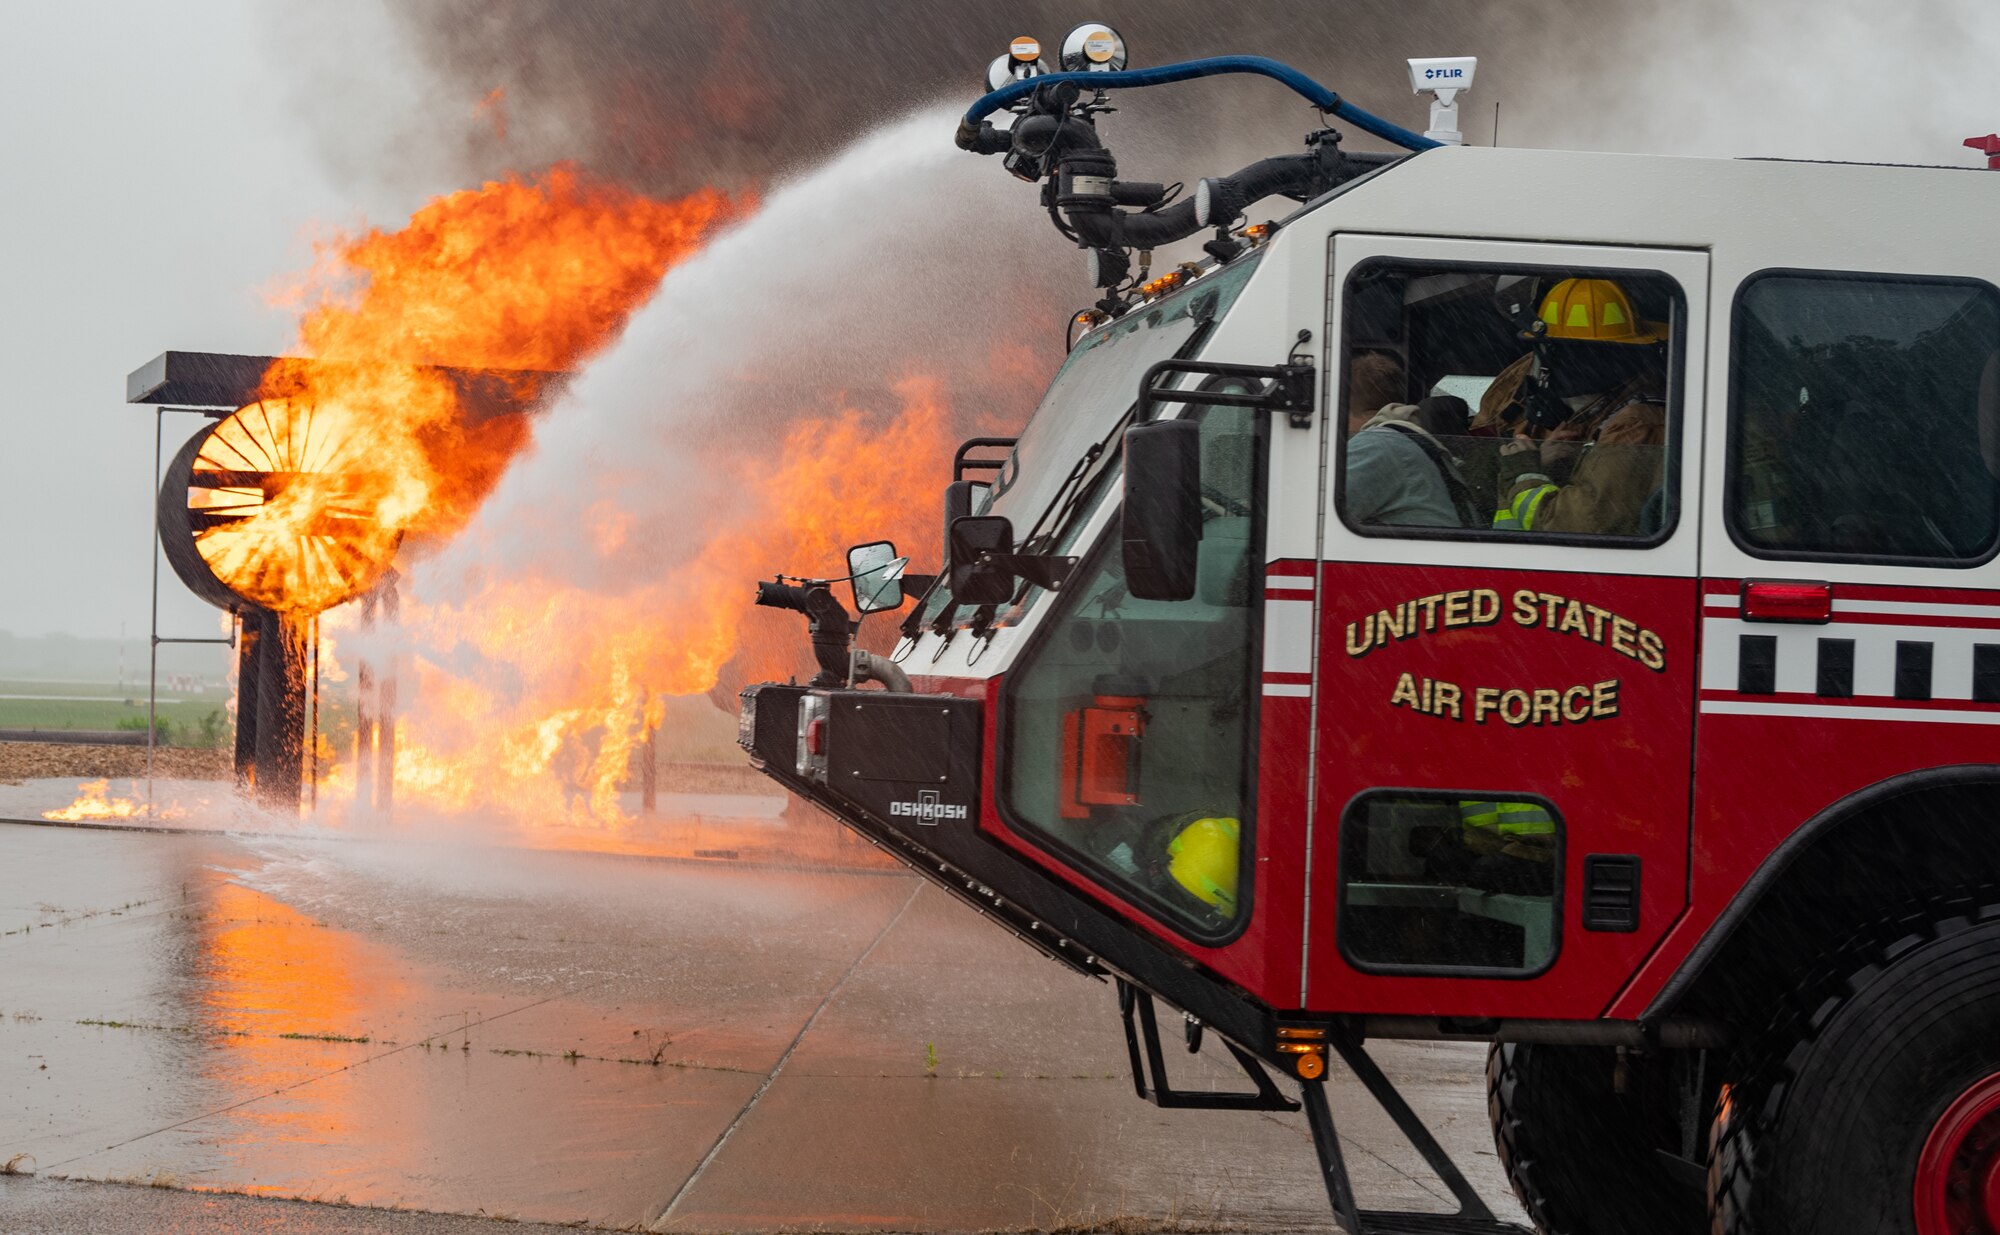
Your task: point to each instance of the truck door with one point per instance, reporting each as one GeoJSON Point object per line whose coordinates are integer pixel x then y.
{"type": "Point", "coordinates": [1505, 677]}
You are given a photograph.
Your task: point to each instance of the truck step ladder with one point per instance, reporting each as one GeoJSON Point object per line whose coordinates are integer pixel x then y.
{"type": "Point", "coordinates": [1149, 1077]}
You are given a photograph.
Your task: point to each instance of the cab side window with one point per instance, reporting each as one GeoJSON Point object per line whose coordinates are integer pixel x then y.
{"type": "Point", "coordinates": [1525, 403]}
{"type": "Point", "coordinates": [1458, 882]}
{"type": "Point", "coordinates": [1865, 419]}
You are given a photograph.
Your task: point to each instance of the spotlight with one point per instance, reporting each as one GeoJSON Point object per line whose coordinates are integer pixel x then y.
{"type": "Point", "coordinates": [1094, 48]}
{"type": "Point", "coordinates": [1022, 59]}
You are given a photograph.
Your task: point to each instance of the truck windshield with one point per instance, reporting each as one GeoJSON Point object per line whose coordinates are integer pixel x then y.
{"type": "Point", "coordinates": [1096, 386]}
{"type": "Point", "coordinates": [1127, 732]}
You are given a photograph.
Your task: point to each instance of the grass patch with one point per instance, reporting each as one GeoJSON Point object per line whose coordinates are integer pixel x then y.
{"type": "Point", "coordinates": [657, 1059]}
{"type": "Point", "coordinates": [181, 721]}
{"type": "Point", "coordinates": [198, 1030]}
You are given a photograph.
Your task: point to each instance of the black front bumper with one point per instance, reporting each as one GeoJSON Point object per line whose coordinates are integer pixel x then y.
{"type": "Point", "coordinates": [904, 771]}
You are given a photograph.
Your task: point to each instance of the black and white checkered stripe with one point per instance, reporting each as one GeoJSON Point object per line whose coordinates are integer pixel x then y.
{"type": "Point", "coordinates": [1868, 666]}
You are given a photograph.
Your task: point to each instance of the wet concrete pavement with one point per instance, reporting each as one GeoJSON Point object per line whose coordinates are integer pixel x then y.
{"type": "Point", "coordinates": [38, 1206]}
{"type": "Point", "coordinates": [574, 1037]}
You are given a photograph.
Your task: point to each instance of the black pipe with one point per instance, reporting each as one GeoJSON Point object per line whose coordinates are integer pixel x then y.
{"type": "Point", "coordinates": [1678, 1033]}
{"type": "Point", "coordinates": [1052, 143]}
{"type": "Point", "coordinates": [1116, 230]}
{"type": "Point", "coordinates": [1288, 174]}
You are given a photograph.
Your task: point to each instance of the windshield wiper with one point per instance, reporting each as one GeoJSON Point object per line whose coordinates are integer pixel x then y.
{"type": "Point", "coordinates": [1066, 496]}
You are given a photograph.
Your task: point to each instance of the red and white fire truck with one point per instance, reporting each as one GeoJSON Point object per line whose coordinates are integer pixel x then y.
{"type": "Point", "coordinates": [1533, 597]}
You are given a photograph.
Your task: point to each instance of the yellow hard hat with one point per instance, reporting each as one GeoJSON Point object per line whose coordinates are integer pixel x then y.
{"type": "Point", "coordinates": [1204, 860]}
{"type": "Point", "coordinates": [1595, 310]}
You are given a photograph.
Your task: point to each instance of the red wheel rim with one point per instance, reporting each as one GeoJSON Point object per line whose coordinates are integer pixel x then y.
{"type": "Point", "coordinates": [1958, 1174]}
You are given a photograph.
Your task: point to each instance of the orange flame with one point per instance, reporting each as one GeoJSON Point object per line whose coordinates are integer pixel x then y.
{"type": "Point", "coordinates": [366, 441]}
{"type": "Point", "coordinates": [94, 803]}
{"type": "Point", "coordinates": [552, 740]}
{"type": "Point", "coordinates": [530, 696]}
{"type": "Point", "coordinates": [494, 108]}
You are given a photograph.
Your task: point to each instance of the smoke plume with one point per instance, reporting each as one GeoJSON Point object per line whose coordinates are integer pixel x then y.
{"type": "Point", "coordinates": [804, 377]}
{"type": "Point", "coordinates": [669, 95]}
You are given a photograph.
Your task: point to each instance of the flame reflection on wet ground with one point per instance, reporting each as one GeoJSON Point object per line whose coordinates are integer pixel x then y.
{"type": "Point", "coordinates": [571, 1037]}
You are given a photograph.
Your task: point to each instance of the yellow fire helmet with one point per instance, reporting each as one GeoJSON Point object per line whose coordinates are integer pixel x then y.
{"type": "Point", "coordinates": [1203, 860]}
{"type": "Point", "coordinates": [1597, 311]}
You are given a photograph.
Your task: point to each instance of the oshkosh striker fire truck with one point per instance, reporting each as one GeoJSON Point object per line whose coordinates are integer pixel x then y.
{"type": "Point", "coordinates": [1540, 598]}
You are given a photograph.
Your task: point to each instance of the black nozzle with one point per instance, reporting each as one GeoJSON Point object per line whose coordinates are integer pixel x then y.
{"type": "Point", "coordinates": [784, 596]}
{"type": "Point", "coordinates": [827, 621]}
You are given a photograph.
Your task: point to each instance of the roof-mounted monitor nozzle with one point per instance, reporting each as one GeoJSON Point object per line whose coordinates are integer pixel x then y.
{"type": "Point", "coordinates": [1443, 77]}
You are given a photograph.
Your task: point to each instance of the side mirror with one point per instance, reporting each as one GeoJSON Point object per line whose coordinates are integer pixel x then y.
{"type": "Point", "coordinates": [1162, 516]}
{"type": "Point", "coordinates": [960, 497]}
{"type": "Point", "coordinates": [876, 574]}
{"type": "Point", "coordinates": [974, 581]}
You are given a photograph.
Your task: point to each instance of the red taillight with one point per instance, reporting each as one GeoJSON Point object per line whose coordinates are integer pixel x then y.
{"type": "Point", "coordinates": [1765, 601]}
{"type": "Point", "coordinates": [816, 736]}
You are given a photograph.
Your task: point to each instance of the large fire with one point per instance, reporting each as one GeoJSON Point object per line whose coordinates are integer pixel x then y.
{"type": "Point", "coordinates": [552, 740]}
{"type": "Point", "coordinates": [526, 688]}
{"type": "Point", "coordinates": [370, 437]}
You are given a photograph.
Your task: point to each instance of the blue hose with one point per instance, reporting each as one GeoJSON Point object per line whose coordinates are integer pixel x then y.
{"type": "Point", "coordinates": [1214, 66]}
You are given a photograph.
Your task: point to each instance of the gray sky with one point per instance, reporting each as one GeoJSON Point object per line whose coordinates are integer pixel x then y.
{"type": "Point", "coordinates": [162, 163]}
{"type": "Point", "coordinates": [155, 185]}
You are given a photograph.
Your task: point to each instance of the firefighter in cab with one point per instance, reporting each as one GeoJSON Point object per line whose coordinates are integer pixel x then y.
{"type": "Point", "coordinates": [1587, 411]}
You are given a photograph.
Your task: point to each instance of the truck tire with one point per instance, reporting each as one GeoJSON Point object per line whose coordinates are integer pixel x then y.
{"type": "Point", "coordinates": [1878, 1109]}
{"type": "Point", "coordinates": [1580, 1156]}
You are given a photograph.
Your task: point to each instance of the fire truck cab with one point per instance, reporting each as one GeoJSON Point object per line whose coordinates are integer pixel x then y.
{"type": "Point", "coordinates": [1663, 753]}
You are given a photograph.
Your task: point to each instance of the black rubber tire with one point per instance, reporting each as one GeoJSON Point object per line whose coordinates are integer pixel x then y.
{"type": "Point", "coordinates": [1580, 1156]}
{"type": "Point", "coordinates": [1823, 1135]}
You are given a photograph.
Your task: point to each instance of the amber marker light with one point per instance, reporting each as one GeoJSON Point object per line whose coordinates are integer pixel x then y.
{"type": "Point", "coordinates": [1306, 1044]}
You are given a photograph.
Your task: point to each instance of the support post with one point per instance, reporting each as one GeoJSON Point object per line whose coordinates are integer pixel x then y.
{"type": "Point", "coordinates": [649, 766]}
{"type": "Point", "coordinates": [385, 700]}
{"type": "Point", "coordinates": [250, 632]}
{"type": "Point", "coordinates": [153, 641]}
{"type": "Point", "coordinates": [281, 711]}
{"type": "Point", "coordinates": [364, 718]}
{"type": "Point", "coordinates": [312, 727]}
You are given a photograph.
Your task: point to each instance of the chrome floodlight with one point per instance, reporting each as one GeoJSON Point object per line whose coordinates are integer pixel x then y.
{"type": "Point", "coordinates": [1093, 48]}
{"type": "Point", "coordinates": [1023, 58]}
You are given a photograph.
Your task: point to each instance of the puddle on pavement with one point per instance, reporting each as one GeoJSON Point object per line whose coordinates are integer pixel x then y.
{"type": "Point", "coordinates": [565, 1036]}
{"type": "Point", "coordinates": [516, 1034]}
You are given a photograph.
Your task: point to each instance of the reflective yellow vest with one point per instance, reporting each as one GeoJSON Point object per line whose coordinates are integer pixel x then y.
{"type": "Point", "coordinates": [1519, 516]}
{"type": "Point", "coordinates": [1511, 819]}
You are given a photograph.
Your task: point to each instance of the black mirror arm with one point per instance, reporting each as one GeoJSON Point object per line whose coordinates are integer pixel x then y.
{"type": "Point", "coordinates": [1041, 569]}
{"type": "Point", "coordinates": [1287, 388]}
